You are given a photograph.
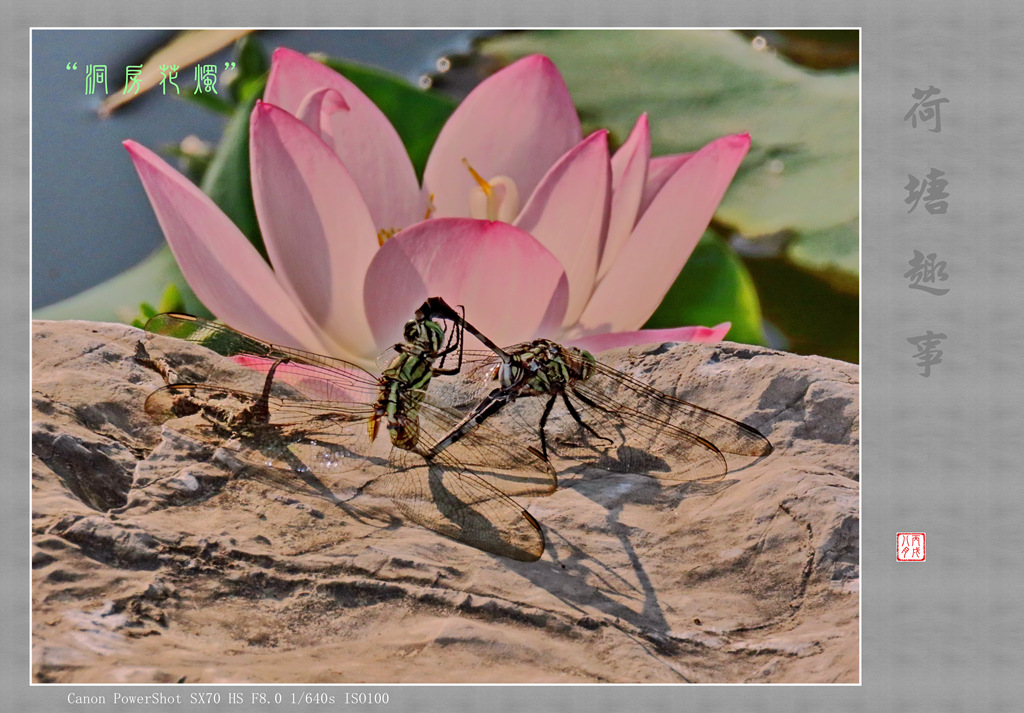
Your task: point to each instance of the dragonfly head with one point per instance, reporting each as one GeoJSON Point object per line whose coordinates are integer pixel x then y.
{"type": "Point", "coordinates": [583, 363]}
{"type": "Point", "coordinates": [425, 334]}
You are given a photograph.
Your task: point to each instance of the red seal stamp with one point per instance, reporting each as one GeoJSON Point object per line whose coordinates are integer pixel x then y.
{"type": "Point", "coordinates": [910, 547]}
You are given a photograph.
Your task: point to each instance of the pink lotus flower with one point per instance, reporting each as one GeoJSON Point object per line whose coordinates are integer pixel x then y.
{"type": "Point", "coordinates": [536, 230]}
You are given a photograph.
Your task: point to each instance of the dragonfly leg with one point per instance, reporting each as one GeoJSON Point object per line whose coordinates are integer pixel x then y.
{"type": "Point", "coordinates": [259, 412]}
{"type": "Point", "coordinates": [543, 421]}
{"type": "Point", "coordinates": [486, 408]}
{"type": "Point", "coordinates": [576, 416]}
{"type": "Point", "coordinates": [160, 366]}
{"type": "Point", "coordinates": [438, 308]}
{"type": "Point", "coordinates": [457, 329]}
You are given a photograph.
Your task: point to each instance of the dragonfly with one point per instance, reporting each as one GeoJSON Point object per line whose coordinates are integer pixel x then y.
{"type": "Point", "coordinates": [311, 414]}
{"type": "Point", "coordinates": [584, 410]}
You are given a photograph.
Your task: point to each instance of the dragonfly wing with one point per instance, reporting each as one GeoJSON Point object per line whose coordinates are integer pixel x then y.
{"type": "Point", "coordinates": [295, 436]}
{"type": "Point", "coordinates": [320, 377]}
{"type": "Point", "coordinates": [384, 359]}
{"type": "Point", "coordinates": [317, 383]}
{"type": "Point", "coordinates": [591, 425]}
{"type": "Point", "coordinates": [477, 380]}
{"type": "Point", "coordinates": [609, 436]}
{"type": "Point", "coordinates": [498, 457]}
{"type": "Point", "coordinates": [217, 337]}
{"type": "Point", "coordinates": [455, 503]}
{"type": "Point", "coordinates": [623, 425]}
{"type": "Point", "coordinates": [618, 437]}
{"type": "Point", "coordinates": [728, 435]}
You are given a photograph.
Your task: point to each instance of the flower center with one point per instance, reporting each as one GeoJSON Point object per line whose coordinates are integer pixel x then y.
{"type": "Point", "coordinates": [496, 199]}
{"type": "Point", "coordinates": [385, 234]}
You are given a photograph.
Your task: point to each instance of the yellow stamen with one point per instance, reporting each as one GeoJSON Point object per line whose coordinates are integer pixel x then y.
{"type": "Point", "coordinates": [385, 234]}
{"type": "Point", "coordinates": [496, 199]}
{"type": "Point", "coordinates": [484, 185]}
{"type": "Point", "coordinates": [430, 207]}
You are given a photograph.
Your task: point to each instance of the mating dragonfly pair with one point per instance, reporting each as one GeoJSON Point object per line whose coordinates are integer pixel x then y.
{"type": "Point", "coordinates": [450, 464]}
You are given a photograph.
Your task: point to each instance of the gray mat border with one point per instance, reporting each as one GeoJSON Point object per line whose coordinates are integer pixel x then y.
{"type": "Point", "coordinates": [937, 636]}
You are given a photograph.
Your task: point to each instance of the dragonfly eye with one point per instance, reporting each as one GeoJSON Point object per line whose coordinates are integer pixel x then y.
{"type": "Point", "coordinates": [411, 330]}
{"type": "Point", "coordinates": [585, 364]}
{"type": "Point", "coordinates": [503, 373]}
{"type": "Point", "coordinates": [508, 374]}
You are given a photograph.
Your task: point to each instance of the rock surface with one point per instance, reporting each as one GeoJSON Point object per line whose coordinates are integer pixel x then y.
{"type": "Point", "coordinates": [156, 562]}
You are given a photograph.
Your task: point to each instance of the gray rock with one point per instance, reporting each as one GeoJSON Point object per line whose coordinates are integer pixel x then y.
{"type": "Point", "coordinates": [158, 558]}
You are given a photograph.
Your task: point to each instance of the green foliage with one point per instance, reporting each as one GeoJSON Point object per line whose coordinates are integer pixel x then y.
{"type": "Point", "coordinates": [208, 100]}
{"type": "Point", "coordinates": [699, 85]}
{"type": "Point", "coordinates": [833, 254]}
{"type": "Point", "coordinates": [252, 66]}
{"type": "Point", "coordinates": [713, 287]}
{"type": "Point", "coordinates": [170, 301]}
{"type": "Point", "coordinates": [802, 172]}
{"type": "Point", "coordinates": [417, 115]}
{"type": "Point", "coordinates": [814, 317]}
{"type": "Point", "coordinates": [227, 180]}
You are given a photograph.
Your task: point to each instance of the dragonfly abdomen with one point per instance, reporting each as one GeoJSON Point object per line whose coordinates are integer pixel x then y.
{"type": "Point", "coordinates": [401, 387]}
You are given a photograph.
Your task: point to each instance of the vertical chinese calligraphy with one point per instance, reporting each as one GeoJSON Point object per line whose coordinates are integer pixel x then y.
{"type": "Point", "coordinates": [926, 109]}
{"type": "Point", "coordinates": [932, 188]}
{"type": "Point", "coordinates": [927, 352]}
{"type": "Point", "coordinates": [924, 271]}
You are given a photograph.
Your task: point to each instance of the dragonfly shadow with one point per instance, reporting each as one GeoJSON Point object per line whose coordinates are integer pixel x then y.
{"type": "Point", "coordinates": [628, 459]}
{"type": "Point", "coordinates": [596, 584]}
{"type": "Point", "coordinates": [461, 505]}
{"type": "Point", "coordinates": [475, 527]}
{"type": "Point", "coordinates": [300, 480]}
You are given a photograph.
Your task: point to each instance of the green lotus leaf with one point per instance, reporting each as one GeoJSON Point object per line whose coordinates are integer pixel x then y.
{"type": "Point", "coordinates": [713, 287]}
{"type": "Point", "coordinates": [832, 254]}
{"type": "Point", "coordinates": [802, 172]}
